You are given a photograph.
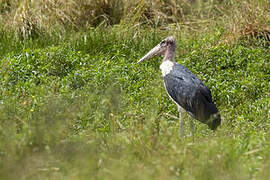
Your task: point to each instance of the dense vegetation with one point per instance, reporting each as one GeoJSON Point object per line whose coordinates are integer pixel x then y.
{"type": "Point", "coordinates": [75, 105]}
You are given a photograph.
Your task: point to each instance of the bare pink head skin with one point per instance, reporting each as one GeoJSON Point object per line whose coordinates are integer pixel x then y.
{"type": "Point", "coordinates": [165, 48]}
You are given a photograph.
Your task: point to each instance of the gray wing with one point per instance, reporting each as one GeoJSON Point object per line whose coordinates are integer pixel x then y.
{"type": "Point", "coordinates": [190, 93]}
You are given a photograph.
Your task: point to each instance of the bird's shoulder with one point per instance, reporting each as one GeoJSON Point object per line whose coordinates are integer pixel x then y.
{"type": "Point", "coordinates": [179, 70]}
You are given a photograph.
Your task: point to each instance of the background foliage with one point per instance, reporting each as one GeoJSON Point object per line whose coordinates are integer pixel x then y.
{"type": "Point", "coordinates": [75, 105]}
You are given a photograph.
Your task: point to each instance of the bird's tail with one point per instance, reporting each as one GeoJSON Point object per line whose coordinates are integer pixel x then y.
{"type": "Point", "coordinates": [214, 121]}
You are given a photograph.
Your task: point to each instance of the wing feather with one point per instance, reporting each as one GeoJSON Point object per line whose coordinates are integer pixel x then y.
{"type": "Point", "coordinates": [189, 92]}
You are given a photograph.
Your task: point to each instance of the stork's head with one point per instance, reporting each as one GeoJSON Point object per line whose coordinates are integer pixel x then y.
{"type": "Point", "coordinates": [165, 48]}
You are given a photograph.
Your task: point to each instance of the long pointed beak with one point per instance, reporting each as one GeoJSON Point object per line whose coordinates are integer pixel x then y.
{"type": "Point", "coordinates": [157, 50]}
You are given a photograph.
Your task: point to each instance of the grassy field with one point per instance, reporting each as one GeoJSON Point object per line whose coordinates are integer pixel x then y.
{"type": "Point", "coordinates": [75, 105]}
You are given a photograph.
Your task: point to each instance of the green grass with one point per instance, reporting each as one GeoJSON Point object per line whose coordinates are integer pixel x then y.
{"type": "Point", "coordinates": [80, 107]}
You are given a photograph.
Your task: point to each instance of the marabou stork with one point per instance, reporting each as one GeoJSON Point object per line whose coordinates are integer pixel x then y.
{"type": "Point", "coordinates": [184, 88]}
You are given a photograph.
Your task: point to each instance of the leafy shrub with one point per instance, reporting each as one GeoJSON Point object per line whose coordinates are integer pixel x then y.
{"type": "Point", "coordinates": [85, 102]}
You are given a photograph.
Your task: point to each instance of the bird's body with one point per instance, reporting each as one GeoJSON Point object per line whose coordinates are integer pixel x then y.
{"type": "Point", "coordinates": [184, 88]}
{"type": "Point", "coordinates": [189, 92]}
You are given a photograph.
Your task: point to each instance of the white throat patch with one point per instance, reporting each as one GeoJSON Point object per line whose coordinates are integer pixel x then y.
{"type": "Point", "coordinates": [166, 67]}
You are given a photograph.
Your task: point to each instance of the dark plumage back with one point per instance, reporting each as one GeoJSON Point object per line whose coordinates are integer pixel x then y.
{"type": "Point", "coordinates": [191, 94]}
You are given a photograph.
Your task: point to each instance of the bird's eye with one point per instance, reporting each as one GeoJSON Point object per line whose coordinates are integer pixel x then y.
{"type": "Point", "coordinates": [163, 43]}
